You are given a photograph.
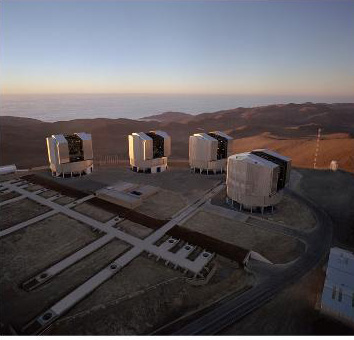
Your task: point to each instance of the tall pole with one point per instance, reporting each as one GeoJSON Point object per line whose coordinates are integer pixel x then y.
{"type": "Point", "coordinates": [317, 147]}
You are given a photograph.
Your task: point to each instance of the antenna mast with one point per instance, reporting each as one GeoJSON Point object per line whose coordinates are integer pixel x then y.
{"type": "Point", "coordinates": [317, 147]}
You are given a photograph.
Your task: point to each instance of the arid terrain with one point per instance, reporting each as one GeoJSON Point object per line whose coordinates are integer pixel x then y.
{"type": "Point", "coordinates": [290, 129]}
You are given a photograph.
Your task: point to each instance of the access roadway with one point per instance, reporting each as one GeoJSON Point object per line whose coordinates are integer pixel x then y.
{"type": "Point", "coordinates": [272, 280]}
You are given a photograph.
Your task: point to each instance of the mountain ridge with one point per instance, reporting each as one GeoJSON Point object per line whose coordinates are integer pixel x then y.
{"type": "Point", "coordinates": [281, 127]}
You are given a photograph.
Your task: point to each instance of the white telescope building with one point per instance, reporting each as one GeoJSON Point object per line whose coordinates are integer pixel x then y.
{"type": "Point", "coordinates": [70, 154]}
{"type": "Point", "coordinates": [208, 151]}
{"type": "Point", "coordinates": [255, 179]}
{"type": "Point", "coordinates": [148, 151]}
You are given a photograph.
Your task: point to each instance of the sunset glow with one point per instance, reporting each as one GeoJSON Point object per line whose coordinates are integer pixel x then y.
{"type": "Point", "coordinates": [191, 47]}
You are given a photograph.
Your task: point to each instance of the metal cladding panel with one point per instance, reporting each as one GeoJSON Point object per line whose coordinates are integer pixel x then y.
{"type": "Point", "coordinates": [283, 161]}
{"type": "Point", "coordinates": [136, 148]}
{"type": "Point", "coordinates": [141, 135]}
{"type": "Point", "coordinates": [131, 147]}
{"type": "Point", "coordinates": [84, 135]}
{"type": "Point", "coordinates": [342, 259]}
{"type": "Point", "coordinates": [338, 291]}
{"type": "Point", "coordinates": [86, 145]}
{"type": "Point", "coordinates": [148, 146]}
{"type": "Point", "coordinates": [149, 163]}
{"type": "Point", "coordinates": [288, 171]}
{"type": "Point", "coordinates": [202, 151]}
{"type": "Point", "coordinates": [204, 136]}
{"type": "Point", "coordinates": [250, 180]}
{"type": "Point", "coordinates": [275, 154]}
{"type": "Point", "coordinates": [53, 161]}
{"type": "Point", "coordinates": [62, 149]}
{"type": "Point", "coordinates": [7, 169]}
{"type": "Point", "coordinates": [167, 146]}
{"type": "Point", "coordinates": [259, 179]}
{"type": "Point", "coordinates": [161, 133]}
{"type": "Point", "coordinates": [75, 167]}
{"type": "Point", "coordinates": [222, 134]}
{"type": "Point", "coordinates": [275, 180]}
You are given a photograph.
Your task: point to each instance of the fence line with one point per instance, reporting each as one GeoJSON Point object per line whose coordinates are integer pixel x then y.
{"type": "Point", "coordinates": [110, 159]}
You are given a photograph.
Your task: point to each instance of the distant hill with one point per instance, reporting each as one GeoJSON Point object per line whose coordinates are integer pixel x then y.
{"type": "Point", "coordinates": [290, 129]}
{"type": "Point", "coordinates": [170, 116]}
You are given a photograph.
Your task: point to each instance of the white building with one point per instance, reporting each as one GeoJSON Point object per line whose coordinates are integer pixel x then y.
{"type": "Point", "coordinates": [148, 151]}
{"type": "Point", "coordinates": [255, 179]}
{"type": "Point", "coordinates": [338, 291]}
{"type": "Point", "coordinates": [70, 154]}
{"type": "Point", "coordinates": [8, 169]}
{"type": "Point", "coordinates": [208, 151]}
{"type": "Point", "coordinates": [333, 165]}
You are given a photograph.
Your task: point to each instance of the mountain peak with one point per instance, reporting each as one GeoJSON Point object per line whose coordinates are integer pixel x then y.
{"type": "Point", "coordinates": [169, 116]}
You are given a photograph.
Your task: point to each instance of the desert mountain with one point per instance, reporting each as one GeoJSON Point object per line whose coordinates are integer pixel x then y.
{"type": "Point", "coordinates": [168, 117]}
{"type": "Point", "coordinates": [291, 129]}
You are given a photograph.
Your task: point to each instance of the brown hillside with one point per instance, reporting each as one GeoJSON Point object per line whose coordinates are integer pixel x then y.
{"type": "Point", "coordinates": [291, 129]}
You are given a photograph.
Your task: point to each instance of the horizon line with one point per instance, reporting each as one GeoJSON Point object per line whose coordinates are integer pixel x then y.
{"type": "Point", "coordinates": [177, 93]}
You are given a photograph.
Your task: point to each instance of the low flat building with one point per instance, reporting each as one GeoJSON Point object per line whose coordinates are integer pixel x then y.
{"type": "Point", "coordinates": [338, 292]}
{"type": "Point", "coordinates": [256, 179]}
{"type": "Point", "coordinates": [148, 152]}
{"type": "Point", "coordinates": [70, 154]}
{"type": "Point", "coordinates": [128, 195]}
{"type": "Point", "coordinates": [8, 169]}
{"type": "Point", "coordinates": [208, 151]}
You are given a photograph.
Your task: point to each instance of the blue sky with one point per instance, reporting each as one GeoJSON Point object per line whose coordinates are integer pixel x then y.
{"type": "Point", "coordinates": [234, 47]}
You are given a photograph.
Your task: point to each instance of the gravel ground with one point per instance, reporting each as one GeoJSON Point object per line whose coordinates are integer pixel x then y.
{"type": "Point", "coordinates": [275, 247]}
{"type": "Point", "coordinates": [33, 187]}
{"type": "Point", "coordinates": [143, 297]}
{"type": "Point", "coordinates": [134, 229]}
{"type": "Point", "coordinates": [64, 200]}
{"type": "Point", "coordinates": [20, 211]}
{"type": "Point", "coordinates": [48, 193]}
{"type": "Point", "coordinates": [292, 213]}
{"type": "Point", "coordinates": [29, 251]}
{"type": "Point", "coordinates": [8, 196]}
{"type": "Point", "coordinates": [96, 213]}
{"type": "Point", "coordinates": [163, 205]}
{"type": "Point", "coordinates": [334, 192]}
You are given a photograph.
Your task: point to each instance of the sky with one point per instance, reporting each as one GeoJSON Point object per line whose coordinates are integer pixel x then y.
{"type": "Point", "coordinates": [192, 47]}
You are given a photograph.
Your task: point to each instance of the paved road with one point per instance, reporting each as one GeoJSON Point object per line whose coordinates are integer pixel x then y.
{"type": "Point", "coordinates": [274, 280]}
